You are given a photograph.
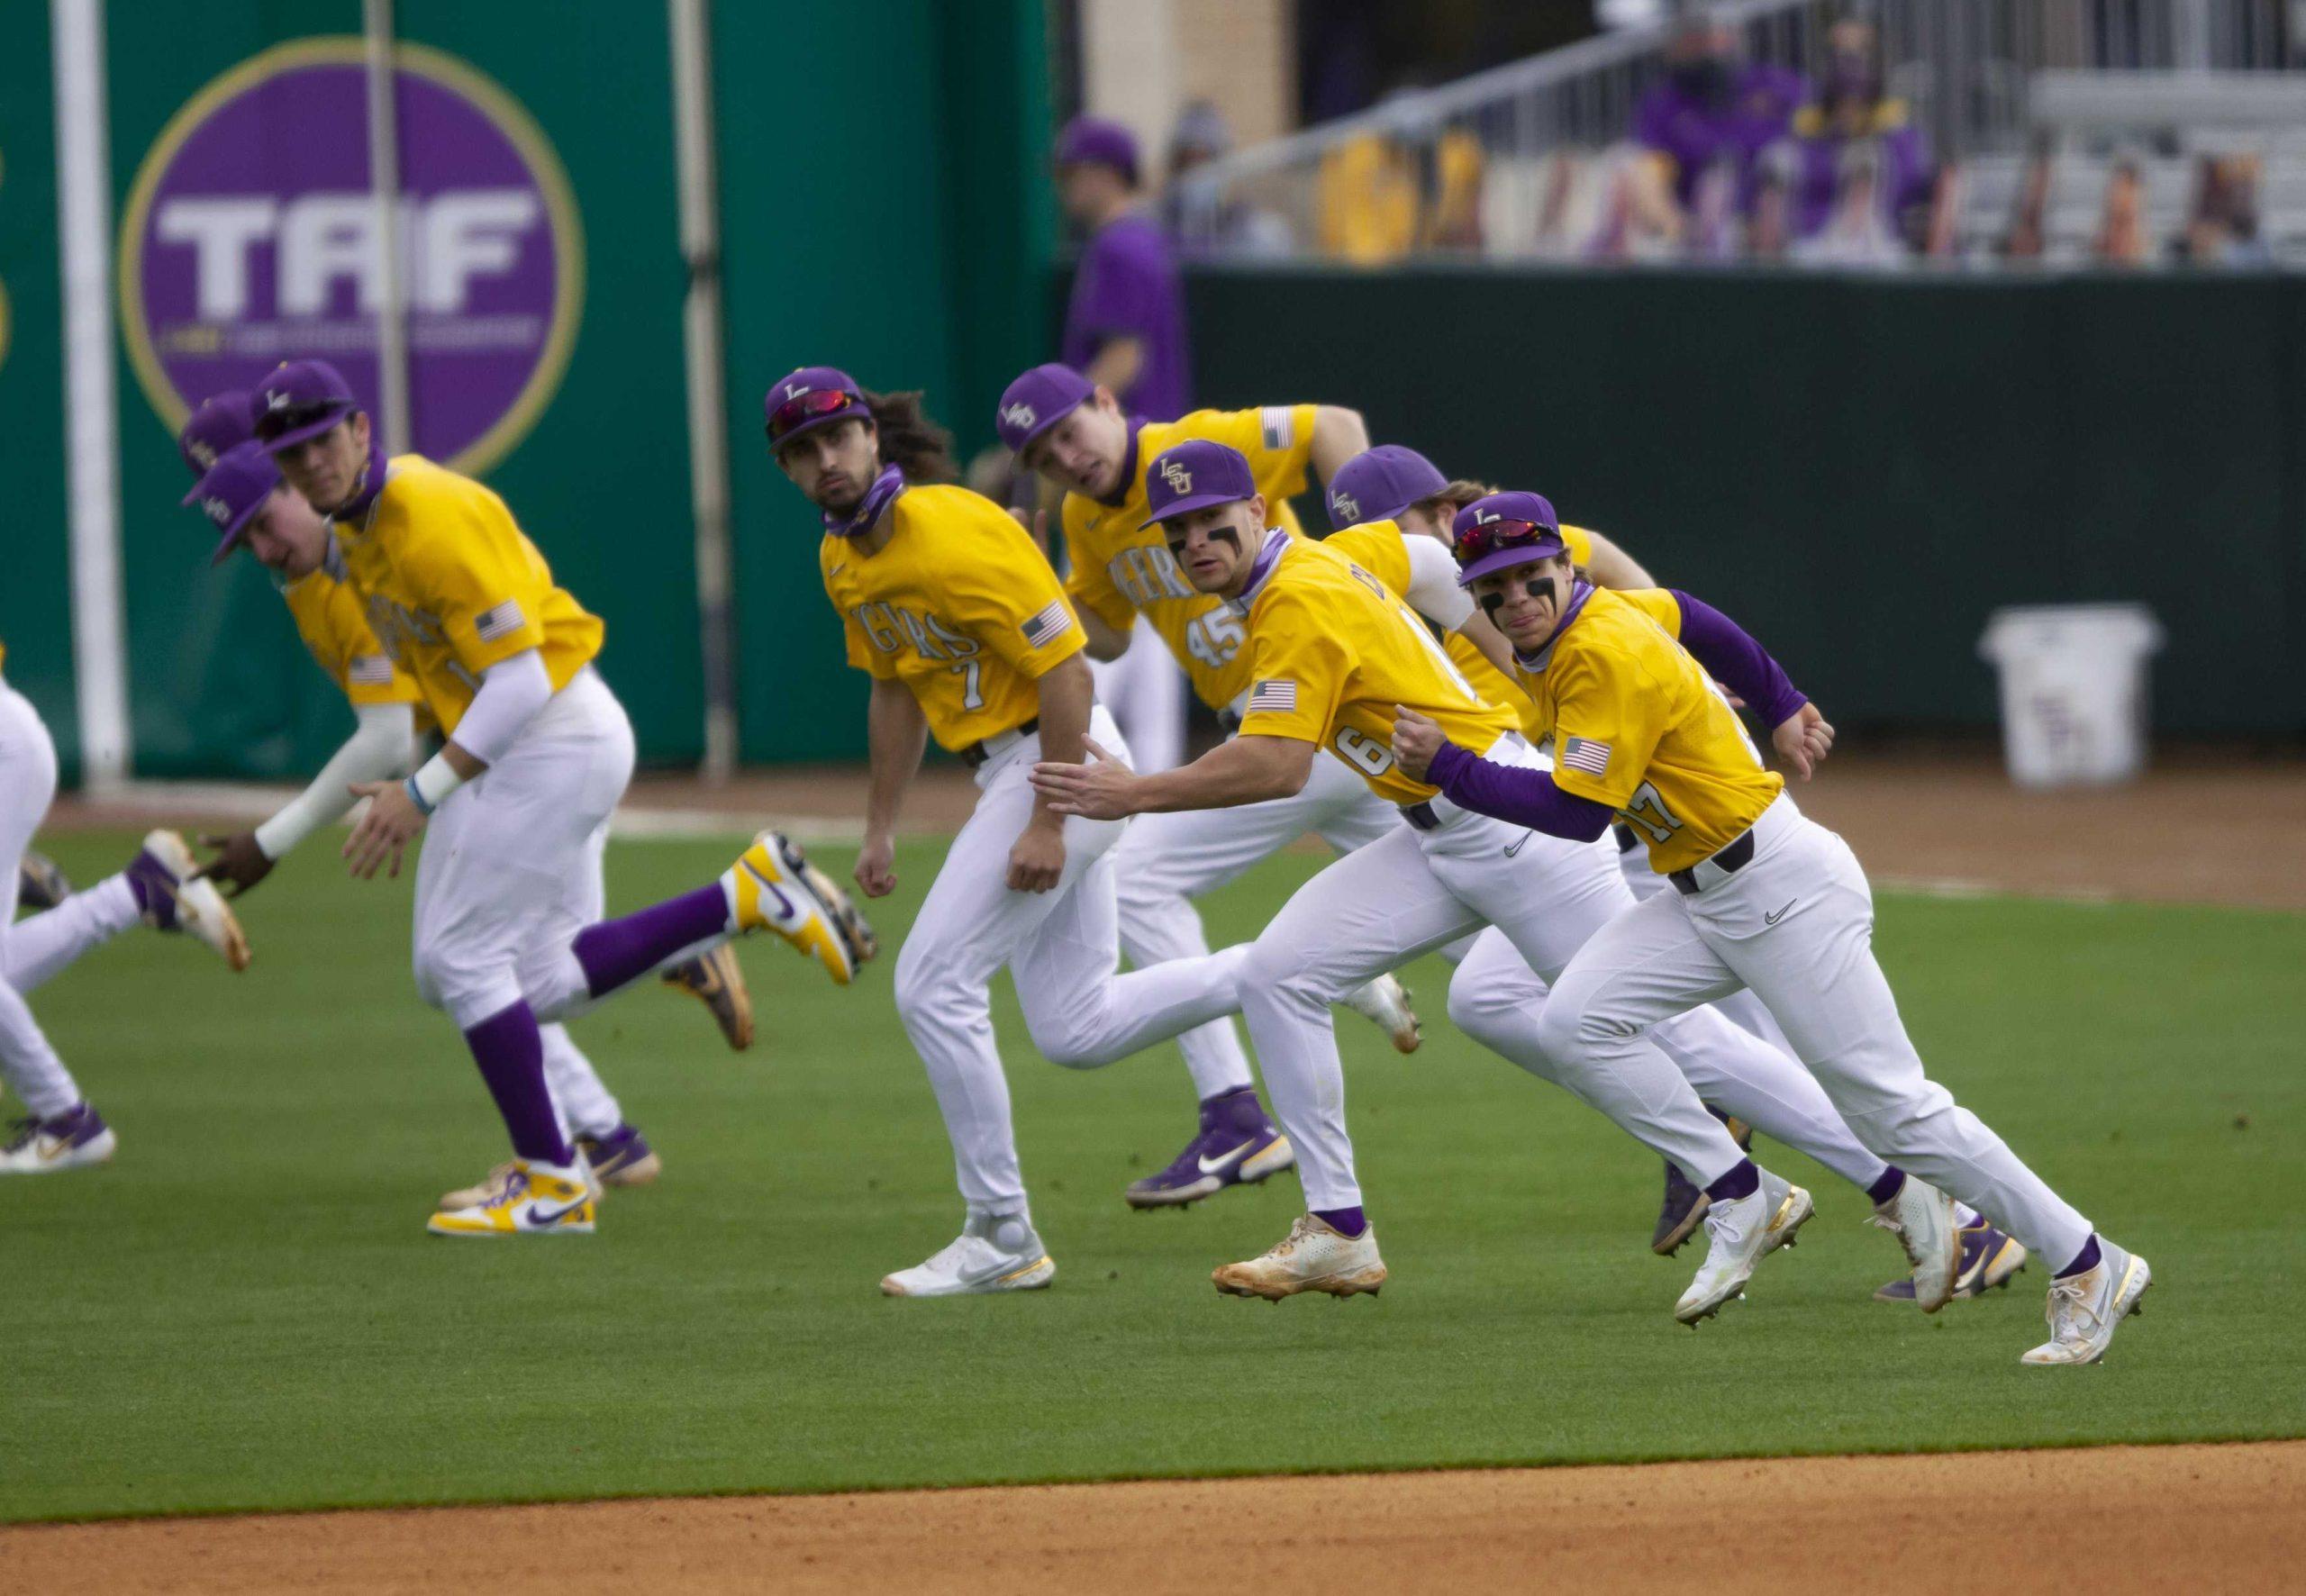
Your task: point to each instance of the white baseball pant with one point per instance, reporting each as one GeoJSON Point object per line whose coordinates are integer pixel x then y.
{"type": "Point", "coordinates": [1796, 926]}
{"type": "Point", "coordinates": [1146, 690]}
{"type": "Point", "coordinates": [1412, 890]}
{"type": "Point", "coordinates": [1062, 948]}
{"type": "Point", "coordinates": [1742, 1007]}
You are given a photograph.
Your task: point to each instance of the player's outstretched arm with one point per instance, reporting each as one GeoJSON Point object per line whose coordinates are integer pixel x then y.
{"type": "Point", "coordinates": [896, 734]}
{"type": "Point", "coordinates": [1613, 567]}
{"type": "Point", "coordinates": [1245, 769]}
{"type": "Point", "coordinates": [1525, 796]}
{"type": "Point", "coordinates": [380, 748]}
{"type": "Point", "coordinates": [1338, 435]}
{"type": "Point", "coordinates": [1066, 696]}
{"type": "Point", "coordinates": [1801, 734]}
{"type": "Point", "coordinates": [512, 692]}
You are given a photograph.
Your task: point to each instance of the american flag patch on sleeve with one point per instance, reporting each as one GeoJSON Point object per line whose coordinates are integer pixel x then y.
{"type": "Point", "coordinates": [1584, 753]}
{"type": "Point", "coordinates": [502, 622]}
{"type": "Point", "coordinates": [1047, 625]}
{"type": "Point", "coordinates": [370, 670]}
{"type": "Point", "coordinates": [1279, 424]}
{"type": "Point", "coordinates": [1276, 697]}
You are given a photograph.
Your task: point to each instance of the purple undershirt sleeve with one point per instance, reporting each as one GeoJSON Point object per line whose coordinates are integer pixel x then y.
{"type": "Point", "coordinates": [1522, 794]}
{"type": "Point", "coordinates": [1738, 662]}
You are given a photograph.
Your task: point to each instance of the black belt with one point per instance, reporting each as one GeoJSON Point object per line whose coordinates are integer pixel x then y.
{"type": "Point", "coordinates": [1729, 860]}
{"type": "Point", "coordinates": [976, 755]}
{"type": "Point", "coordinates": [1422, 816]}
{"type": "Point", "coordinates": [1627, 840]}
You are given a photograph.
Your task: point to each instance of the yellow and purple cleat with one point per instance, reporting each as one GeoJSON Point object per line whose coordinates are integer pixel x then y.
{"type": "Point", "coordinates": [717, 981]}
{"type": "Point", "coordinates": [775, 888]}
{"type": "Point", "coordinates": [524, 1199]}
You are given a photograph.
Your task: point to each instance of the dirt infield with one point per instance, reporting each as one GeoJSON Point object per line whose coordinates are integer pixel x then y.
{"type": "Point", "coordinates": [2225, 1518]}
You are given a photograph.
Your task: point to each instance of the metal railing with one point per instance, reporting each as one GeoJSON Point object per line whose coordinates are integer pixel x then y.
{"type": "Point", "coordinates": [1412, 175]}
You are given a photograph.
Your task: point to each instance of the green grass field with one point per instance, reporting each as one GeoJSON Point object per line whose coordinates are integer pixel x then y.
{"type": "Point", "coordinates": [245, 1310]}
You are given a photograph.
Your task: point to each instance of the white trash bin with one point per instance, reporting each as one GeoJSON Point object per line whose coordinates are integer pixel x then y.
{"type": "Point", "coordinates": [2073, 691]}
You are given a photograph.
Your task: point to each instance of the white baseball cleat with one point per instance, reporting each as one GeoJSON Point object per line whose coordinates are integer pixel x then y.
{"type": "Point", "coordinates": [1314, 1256]}
{"type": "Point", "coordinates": [2084, 1309]}
{"type": "Point", "coordinates": [177, 898]}
{"type": "Point", "coordinates": [73, 1139]}
{"type": "Point", "coordinates": [1742, 1232]}
{"type": "Point", "coordinates": [1385, 1004]}
{"type": "Point", "coordinates": [992, 1253]}
{"type": "Point", "coordinates": [1921, 1217]}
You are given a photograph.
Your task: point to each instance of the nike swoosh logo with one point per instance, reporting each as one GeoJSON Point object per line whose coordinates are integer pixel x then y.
{"type": "Point", "coordinates": [1226, 1161]}
{"type": "Point", "coordinates": [838, 570]}
{"type": "Point", "coordinates": [1771, 919]}
{"type": "Point", "coordinates": [1517, 846]}
{"type": "Point", "coordinates": [537, 1216]}
{"type": "Point", "coordinates": [774, 890]}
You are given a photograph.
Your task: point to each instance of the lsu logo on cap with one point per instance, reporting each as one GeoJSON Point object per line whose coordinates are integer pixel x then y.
{"type": "Point", "coordinates": [218, 510]}
{"type": "Point", "coordinates": [795, 390]}
{"type": "Point", "coordinates": [202, 451]}
{"type": "Point", "coordinates": [1175, 474]}
{"type": "Point", "coordinates": [1346, 508]}
{"type": "Point", "coordinates": [1481, 521]}
{"type": "Point", "coordinates": [274, 400]}
{"type": "Point", "coordinates": [1018, 415]}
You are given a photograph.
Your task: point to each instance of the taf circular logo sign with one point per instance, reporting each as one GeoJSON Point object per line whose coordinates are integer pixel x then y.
{"type": "Point", "coordinates": [252, 237]}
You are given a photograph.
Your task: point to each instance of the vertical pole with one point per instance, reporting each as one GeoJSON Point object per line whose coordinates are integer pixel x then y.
{"type": "Point", "coordinates": [84, 204]}
{"type": "Point", "coordinates": [384, 185]}
{"type": "Point", "coordinates": [703, 343]}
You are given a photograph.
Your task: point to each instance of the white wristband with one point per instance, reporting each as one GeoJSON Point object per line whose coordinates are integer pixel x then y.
{"type": "Point", "coordinates": [434, 780]}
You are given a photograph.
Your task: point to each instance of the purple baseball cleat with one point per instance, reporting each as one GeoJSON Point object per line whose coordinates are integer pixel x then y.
{"type": "Point", "coordinates": [1989, 1258]}
{"type": "Point", "coordinates": [73, 1139]}
{"type": "Point", "coordinates": [622, 1157]}
{"type": "Point", "coordinates": [1237, 1145]}
{"type": "Point", "coordinates": [1685, 1205]}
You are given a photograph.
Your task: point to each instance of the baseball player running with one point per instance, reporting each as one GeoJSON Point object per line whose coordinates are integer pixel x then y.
{"type": "Point", "coordinates": [1333, 653]}
{"type": "Point", "coordinates": [957, 616]}
{"type": "Point", "coordinates": [1076, 437]}
{"type": "Point", "coordinates": [508, 888]}
{"type": "Point", "coordinates": [161, 887]}
{"type": "Point", "coordinates": [1764, 897]}
{"type": "Point", "coordinates": [1496, 997]}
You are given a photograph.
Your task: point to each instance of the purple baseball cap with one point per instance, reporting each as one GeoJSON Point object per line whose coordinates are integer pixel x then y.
{"type": "Point", "coordinates": [1038, 401]}
{"type": "Point", "coordinates": [1378, 483]}
{"type": "Point", "coordinates": [222, 422]}
{"type": "Point", "coordinates": [233, 490]}
{"type": "Point", "coordinates": [300, 399]}
{"type": "Point", "coordinates": [1094, 140]}
{"type": "Point", "coordinates": [1194, 475]}
{"type": "Point", "coordinates": [1503, 531]}
{"type": "Point", "coordinates": [812, 397]}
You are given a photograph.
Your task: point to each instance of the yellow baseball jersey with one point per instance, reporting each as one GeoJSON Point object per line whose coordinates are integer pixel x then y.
{"type": "Point", "coordinates": [452, 585]}
{"type": "Point", "coordinates": [1637, 724]}
{"type": "Point", "coordinates": [1333, 650]}
{"type": "Point", "coordinates": [334, 624]}
{"type": "Point", "coordinates": [1121, 568]}
{"type": "Point", "coordinates": [1376, 546]}
{"type": "Point", "coordinates": [959, 606]}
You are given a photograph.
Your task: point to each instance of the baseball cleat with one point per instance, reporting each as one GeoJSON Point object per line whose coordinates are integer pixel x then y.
{"type": "Point", "coordinates": [524, 1199]}
{"type": "Point", "coordinates": [2084, 1309]}
{"type": "Point", "coordinates": [474, 1195]}
{"type": "Point", "coordinates": [39, 883]}
{"type": "Point", "coordinates": [775, 889]}
{"type": "Point", "coordinates": [1921, 1217]}
{"type": "Point", "coordinates": [1684, 1208]}
{"type": "Point", "coordinates": [73, 1139]}
{"type": "Point", "coordinates": [1237, 1145]}
{"type": "Point", "coordinates": [1741, 1233]}
{"type": "Point", "coordinates": [994, 1253]}
{"type": "Point", "coordinates": [622, 1157]}
{"type": "Point", "coordinates": [1385, 1004]}
{"type": "Point", "coordinates": [1313, 1256]}
{"type": "Point", "coordinates": [177, 898]}
{"type": "Point", "coordinates": [1989, 1258]}
{"type": "Point", "coordinates": [716, 980]}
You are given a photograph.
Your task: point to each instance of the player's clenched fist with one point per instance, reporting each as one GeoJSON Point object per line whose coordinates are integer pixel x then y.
{"type": "Point", "coordinates": [1038, 860]}
{"type": "Point", "coordinates": [875, 871]}
{"type": "Point", "coordinates": [389, 826]}
{"type": "Point", "coordinates": [1416, 740]}
{"type": "Point", "coordinates": [1802, 740]}
{"type": "Point", "coordinates": [240, 863]}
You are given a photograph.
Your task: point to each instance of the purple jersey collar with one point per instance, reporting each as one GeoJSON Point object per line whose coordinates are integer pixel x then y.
{"type": "Point", "coordinates": [1277, 541]}
{"type": "Point", "coordinates": [1535, 664]}
{"type": "Point", "coordinates": [887, 487]}
{"type": "Point", "coordinates": [371, 484]}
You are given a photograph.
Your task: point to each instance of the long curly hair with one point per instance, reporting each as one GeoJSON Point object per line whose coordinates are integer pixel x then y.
{"type": "Point", "coordinates": [910, 440]}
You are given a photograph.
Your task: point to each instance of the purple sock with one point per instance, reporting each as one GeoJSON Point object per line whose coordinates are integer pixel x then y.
{"type": "Point", "coordinates": [2087, 1258]}
{"type": "Point", "coordinates": [511, 1056]}
{"type": "Point", "coordinates": [1345, 1221]}
{"type": "Point", "coordinates": [1893, 1182]}
{"type": "Point", "coordinates": [616, 951]}
{"type": "Point", "coordinates": [1743, 1180]}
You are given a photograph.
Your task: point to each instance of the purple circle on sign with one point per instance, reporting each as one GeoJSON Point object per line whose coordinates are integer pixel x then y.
{"type": "Point", "coordinates": [252, 237]}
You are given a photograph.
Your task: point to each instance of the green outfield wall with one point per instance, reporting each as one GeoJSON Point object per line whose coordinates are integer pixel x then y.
{"type": "Point", "coordinates": [1861, 469]}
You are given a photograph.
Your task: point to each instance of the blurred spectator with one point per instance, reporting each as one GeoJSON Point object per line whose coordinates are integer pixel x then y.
{"type": "Point", "coordinates": [1125, 325]}
{"type": "Point", "coordinates": [2122, 238]}
{"type": "Point", "coordinates": [1769, 231]}
{"type": "Point", "coordinates": [2222, 221]}
{"type": "Point", "coordinates": [2028, 238]}
{"type": "Point", "coordinates": [1206, 222]}
{"type": "Point", "coordinates": [1367, 200]}
{"type": "Point", "coordinates": [1856, 231]}
{"type": "Point", "coordinates": [1715, 109]}
{"type": "Point", "coordinates": [1851, 110]}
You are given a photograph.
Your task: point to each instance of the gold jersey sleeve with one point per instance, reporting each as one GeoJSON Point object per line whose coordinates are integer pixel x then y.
{"type": "Point", "coordinates": [1120, 568]}
{"type": "Point", "coordinates": [452, 585]}
{"type": "Point", "coordinates": [1334, 652]}
{"type": "Point", "coordinates": [1638, 724]}
{"type": "Point", "coordinates": [1376, 547]}
{"type": "Point", "coordinates": [958, 606]}
{"type": "Point", "coordinates": [333, 623]}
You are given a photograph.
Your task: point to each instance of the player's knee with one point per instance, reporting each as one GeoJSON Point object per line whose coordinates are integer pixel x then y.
{"type": "Point", "coordinates": [1475, 1005]}
{"type": "Point", "coordinates": [1275, 977]}
{"type": "Point", "coordinates": [1577, 1020]}
{"type": "Point", "coordinates": [1066, 1040]}
{"type": "Point", "coordinates": [929, 984]}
